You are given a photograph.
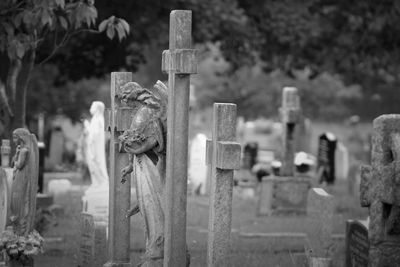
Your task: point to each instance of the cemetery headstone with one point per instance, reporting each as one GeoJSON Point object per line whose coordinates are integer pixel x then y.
{"type": "Point", "coordinates": [92, 249]}
{"type": "Point", "coordinates": [179, 62]}
{"type": "Point", "coordinates": [118, 119]}
{"type": "Point", "coordinates": [197, 164]}
{"type": "Point", "coordinates": [342, 164]}
{"type": "Point", "coordinates": [326, 158]}
{"type": "Point", "coordinates": [225, 158]}
{"type": "Point", "coordinates": [380, 191]}
{"type": "Point", "coordinates": [320, 209]}
{"type": "Point", "coordinates": [5, 151]}
{"type": "Point", "coordinates": [286, 193]}
{"type": "Point", "coordinates": [357, 244]}
{"type": "Point", "coordinates": [57, 140]}
{"type": "Point", "coordinates": [3, 200]}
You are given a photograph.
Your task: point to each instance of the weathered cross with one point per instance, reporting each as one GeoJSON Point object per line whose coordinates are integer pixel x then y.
{"type": "Point", "coordinates": [223, 155]}
{"type": "Point", "coordinates": [380, 191]}
{"type": "Point", "coordinates": [179, 62]}
{"type": "Point", "coordinates": [118, 120]}
{"type": "Point", "coordinates": [290, 114]}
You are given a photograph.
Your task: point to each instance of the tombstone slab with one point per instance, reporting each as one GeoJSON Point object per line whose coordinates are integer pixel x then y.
{"type": "Point", "coordinates": [357, 244]}
{"type": "Point", "coordinates": [320, 209]}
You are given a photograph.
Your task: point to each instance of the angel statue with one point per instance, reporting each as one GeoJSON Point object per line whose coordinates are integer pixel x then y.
{"type": "Point", "coordinates": [25, 181]}
{"type": "Point", "coordinates": [145, 142]}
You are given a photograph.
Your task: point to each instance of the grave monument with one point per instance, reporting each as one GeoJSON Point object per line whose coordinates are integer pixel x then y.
{"type": "Point", "coordinates": [380, 192]}
{"type": "Point", "coordinates": [286, 192]}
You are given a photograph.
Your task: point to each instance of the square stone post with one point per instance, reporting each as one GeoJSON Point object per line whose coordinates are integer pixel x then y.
{"type": "Point", "coordinates": [179, 62]}
{"type": "Point", "coordinates": [225, 157]}
{"type": "Point", "coordinates": [118, 120]}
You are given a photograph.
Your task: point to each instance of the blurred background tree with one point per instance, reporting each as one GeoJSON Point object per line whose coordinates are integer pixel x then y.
{"type": "Point", "coordinates": [343, 55]}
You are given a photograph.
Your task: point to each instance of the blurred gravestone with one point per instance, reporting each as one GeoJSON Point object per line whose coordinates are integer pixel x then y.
{"type": "Point", "coordinates": [93, 244]}
{"type": "Point", "coordinates": [357, 244]}
{"type": "Point", "coordinates": [250, 155]}
{"type": "Point", "coordinates": [326, 158]}
{"type": "Point", "coordinates": [320, 208]}
{"type": "Point", "coordinates": [56, 148]}
{"type": "Point", "coordinates": [286, 193]}
{"type": "Point", "coordinates": [197, 164]}
{"type": "Point", "coordinates": [341, 161]}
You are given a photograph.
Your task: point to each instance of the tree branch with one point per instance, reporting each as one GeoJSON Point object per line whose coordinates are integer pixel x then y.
{"type": "Point", "coordinates": [64, 40]}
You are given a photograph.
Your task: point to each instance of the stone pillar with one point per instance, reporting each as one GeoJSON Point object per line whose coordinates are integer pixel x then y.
{"type": "Point", "coordinates": [117, 120]}
{"type": "Point", "coordinates": [5, 151]}
{"type": "Point", "coordinates": [225, 158]}
{"type": "Point", "coordinates": [179, 62]}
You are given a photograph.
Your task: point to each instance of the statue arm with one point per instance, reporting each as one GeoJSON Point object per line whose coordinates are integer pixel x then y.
{"type": "Point", "coordinates": [22, 159]}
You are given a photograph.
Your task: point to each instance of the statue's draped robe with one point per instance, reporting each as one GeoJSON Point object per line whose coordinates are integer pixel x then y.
{"type": "Point", "coordinates": [24, 187]}
{"type": "Point", "coordinates": [149, 171]}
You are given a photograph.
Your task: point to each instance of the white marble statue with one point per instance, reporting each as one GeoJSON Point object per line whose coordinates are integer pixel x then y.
{"type": "Point", "coordinates": [95, 152]}
{"type": "Point", "coordinates": [95, 200]}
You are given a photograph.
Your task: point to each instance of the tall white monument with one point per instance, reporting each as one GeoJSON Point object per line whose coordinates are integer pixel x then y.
{"type": "Point", "coordinates": [95, 200]}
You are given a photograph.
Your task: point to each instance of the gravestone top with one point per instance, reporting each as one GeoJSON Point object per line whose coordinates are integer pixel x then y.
{"type": "Point", "coordinates": [320, 208]}
{"type": "Point", "coordinates": [357, 244]}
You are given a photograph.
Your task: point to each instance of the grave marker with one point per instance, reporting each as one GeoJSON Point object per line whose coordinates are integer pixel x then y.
{"type": "Point", "coordinates": [117, 120]}
{"type": "Point", "coordinates": [326, 158]}
{"type": "Point", "coordinates": [179, 62]}
{"type": "Point", "coordinates": [380, 191]}
{"type": "Point", "coordinates": [287, 192]}
{"type": "Point", "coordinates": [320, 209]}
{"type": "Point", "coordinates": [357, 244]}
{"type": "Point", "coordinates": [225, 157]}
{"type": "Point", "coordinates": [92, 247]}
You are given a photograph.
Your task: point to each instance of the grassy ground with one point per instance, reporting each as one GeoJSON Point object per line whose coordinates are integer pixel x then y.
{"type": "Point", "coordinates": [249, 247]}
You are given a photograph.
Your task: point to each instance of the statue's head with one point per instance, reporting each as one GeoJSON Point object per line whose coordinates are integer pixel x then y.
{"type": "Point", "coordinates": [97, 108]}
{"type": "Point", "coordinates": [21, 134]}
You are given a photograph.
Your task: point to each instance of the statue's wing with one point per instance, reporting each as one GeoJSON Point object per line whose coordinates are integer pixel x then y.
{"type": "Point", "coordinates": [33, 172]}
{"type": "Point", "coordinates": [161, 91]}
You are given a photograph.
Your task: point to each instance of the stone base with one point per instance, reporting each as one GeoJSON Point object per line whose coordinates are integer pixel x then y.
{"type": "Point", "coordinates": [117, 264]}
{"type": "Point", "coordinates": [283, 195]}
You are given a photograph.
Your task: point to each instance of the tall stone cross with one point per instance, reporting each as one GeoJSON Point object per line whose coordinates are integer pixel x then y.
{"type": "Point", "coordinates": [118, 120]}
{"type": "Point", "coordinates": [179, 62]}
{"type": "Point", "coordinates": [223, 155]}
{"type": "Point", "coordinates": [380, 191]}
{"type": "Point", "coordinates": [290, 114]}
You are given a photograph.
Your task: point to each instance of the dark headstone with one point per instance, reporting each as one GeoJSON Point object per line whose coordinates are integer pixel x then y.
{"type": "Point", "coordinates": [326, 158]}
{"type": "Point", "coordinates": [357, 244]}
{"type": "Point", "coordinates": [250, 155]}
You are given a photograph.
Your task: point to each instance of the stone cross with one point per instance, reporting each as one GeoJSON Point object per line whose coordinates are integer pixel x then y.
{"type": "Point", "coordinates": [5, 153]}
{"type": "Point", "coordinates": [290, 113]}
{"type": "Point", "coordinates": [179, 62]}
{"type": "Point", "coordinates": [224, 155]}
{"type": "Point", "coordinates": [380, 191]}
{"type": "Point", "coordinates": [320, 209]}
{"type": "Point", "coordinates": [118, 120]}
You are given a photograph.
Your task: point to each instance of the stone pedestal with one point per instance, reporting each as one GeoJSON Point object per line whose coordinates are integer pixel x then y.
{"type": "Point", "coordinates": [283, 194]}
